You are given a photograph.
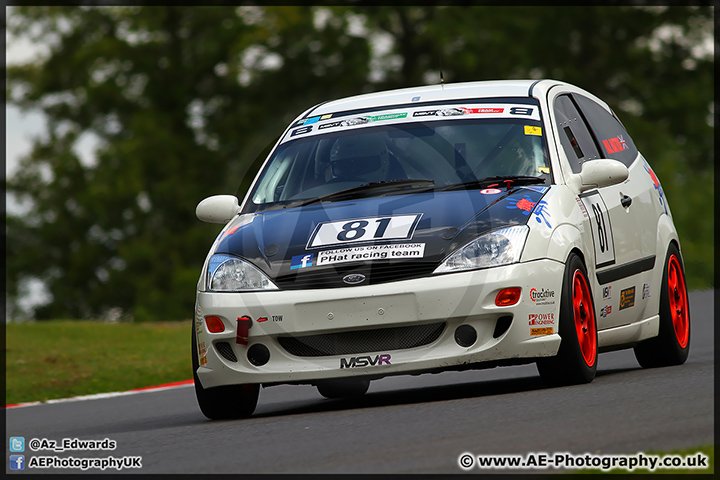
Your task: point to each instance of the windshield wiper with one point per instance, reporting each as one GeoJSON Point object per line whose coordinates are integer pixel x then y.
{"type": "Point", "coordinates": [499, 181]}
{"type": "Point", "coordinates": [367, 189]}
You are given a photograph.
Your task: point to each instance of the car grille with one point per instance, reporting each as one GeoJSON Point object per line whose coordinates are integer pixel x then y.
{"type": "Point", "coordinates": [362, 341]}
{"type": "Point", "coordinates": [225, 349]}
{"type": "Point", "coordinates": [332, 276]}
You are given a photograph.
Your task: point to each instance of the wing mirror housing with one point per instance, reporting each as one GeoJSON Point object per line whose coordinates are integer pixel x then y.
{"type": "Point", "coordinates": [218, 209]}
{"type": "Point", "coordinates": [598, 174]}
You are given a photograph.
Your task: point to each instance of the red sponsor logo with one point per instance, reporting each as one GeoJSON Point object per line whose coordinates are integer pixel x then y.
{"type": "Point", "coordinates": [541, 319]}
{"type": "Point", "coordinates": [482, 110]}
{"type": "Point", "coordinates": [616, 144]}
{"type": "Point", "coordinates": [490, 191]}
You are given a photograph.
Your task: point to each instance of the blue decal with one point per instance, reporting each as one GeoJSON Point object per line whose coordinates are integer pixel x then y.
{"type": "Point", "coordinates": [311, 120]}
{"type": "Point", "coordinates": [301, 261]}
{"type": "Point", "coordinates": [536, 188]}
{"type": "Point", "coordinates": [541, 211]}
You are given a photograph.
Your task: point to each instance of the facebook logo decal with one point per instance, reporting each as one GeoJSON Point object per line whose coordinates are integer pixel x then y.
{"type": "Point", "coordinates": [301, 261]}
{"type": "Point", "coordinates": [17, 444]}
{"type": "Point", "coordinates": [17, 462]}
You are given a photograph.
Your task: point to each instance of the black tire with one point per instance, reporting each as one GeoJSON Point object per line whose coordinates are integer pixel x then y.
{"type": "Point", "coordinates": [230, 401]}
{"type": "Point", "coordinates": [672, 345]}
{"type": "Point", "coordinates": [343, 387]}
{"type": "Point", "coordinates": [576, 361]}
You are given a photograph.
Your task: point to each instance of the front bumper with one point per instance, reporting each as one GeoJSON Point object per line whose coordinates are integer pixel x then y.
{"type": "Point", "coordinates": [466, 298]}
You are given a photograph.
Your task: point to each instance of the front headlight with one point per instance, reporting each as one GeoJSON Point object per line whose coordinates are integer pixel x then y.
{"type": "Point", "coordinates": [493, 249]}
{"type": "Point", "coordinates": [227, 273]}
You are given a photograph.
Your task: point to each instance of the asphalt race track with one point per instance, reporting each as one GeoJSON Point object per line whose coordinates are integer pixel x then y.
{"type": "Point", "coordinates": [403, 424]}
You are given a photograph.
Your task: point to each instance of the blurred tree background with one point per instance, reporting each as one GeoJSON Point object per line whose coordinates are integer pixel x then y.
{"type": "Point", "coordinates": [184, 100]}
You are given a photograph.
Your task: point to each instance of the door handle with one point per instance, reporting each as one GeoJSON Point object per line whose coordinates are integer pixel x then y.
{"type": "Point", "coordinates": [625, 201]}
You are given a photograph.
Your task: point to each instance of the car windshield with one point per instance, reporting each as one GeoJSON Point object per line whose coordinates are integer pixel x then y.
{"type": "Point", "coordinates": [443, 147]}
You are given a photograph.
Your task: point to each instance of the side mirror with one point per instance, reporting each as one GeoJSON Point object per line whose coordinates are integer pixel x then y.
{"type": "Point", "coordinates": [601, 173]}
{"type": "Point", "coordinates": [218, 209]}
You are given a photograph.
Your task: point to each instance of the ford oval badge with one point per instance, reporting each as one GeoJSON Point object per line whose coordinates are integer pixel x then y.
{"type": "Point", "coordinates": [354, 278]}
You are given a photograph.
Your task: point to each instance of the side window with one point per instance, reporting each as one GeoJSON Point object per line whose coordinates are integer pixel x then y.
{"type": "Point", "coordinates": [614, 139]}
{"type": "Point", "coordinates": [574, 135]}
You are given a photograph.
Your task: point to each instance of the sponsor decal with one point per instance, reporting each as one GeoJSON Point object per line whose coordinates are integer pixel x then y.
{"type": "Point", "coordinates": [530, 130]}
{"type": "Point", "coordinates": [202, 353]}
{"type": "Point", "coordinates": [607, 292]}
{"type": "Point", "coordinates": [232, 230]}
{"type": "Point", "coordinates": [542, 296]}
{"type": "Point", "coordinates": [311, 120]}
{"type": "Point", "coordinates": [536, 188]}
{"type": "Point", "coordinates": [371, 252]}
{"type": "Point", "coordinates": [545, 170]}
{"type": "Point", "coordinates": [490, 191]}
{"type": "Point", "coordinates": [541, 211]}
{"type": "Point", "coordinates": [541, 331]}
{"type": "Point", "coordinates": [301, 130]}
{"type": "Point", "coordinates": [582, 207]}
{"type": "Point", "coordinates": [541, 319]}
{"type": "Point", "coordinates": [301, 261]}
{"type": "Point", "coordinates": [606, 311]}
{"type": "Point", "coordinates": [365, 361]}
{"type": "Point", "coordinates": [397, 227]}
{"type": "Point", "coordinates": [646, 291]}
{"type": "Point", "coordinates": [627, 298]}
{"type": "Point", "coordinates": [415, 99]}
{"type": "Point", "coordinates": [201, 350]}
{"type": "Point", "coordinates": [656, 185]}
{"type": "Point", "coordinates": [362, 120]}
{"type": "Point", "coordinates": [452, 111]}
{"type": "Point", "coordinates": [615, 144]}
{"type": "Point", "coordinates": [387, 116]}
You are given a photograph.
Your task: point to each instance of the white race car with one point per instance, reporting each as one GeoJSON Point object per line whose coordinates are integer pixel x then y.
{"type": "Point", "coordinates": [446, 227]}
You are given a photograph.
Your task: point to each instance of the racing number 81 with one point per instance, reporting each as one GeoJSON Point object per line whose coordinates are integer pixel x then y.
{"type": "Point", "coordinates": [356, 229]}
{"type": "Point", "coordinates": [602, 231]}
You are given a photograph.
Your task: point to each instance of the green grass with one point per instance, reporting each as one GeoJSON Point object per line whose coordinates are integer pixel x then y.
{"type": "Point", "coordinates": [708, 450]}
{"type": "Point", "coordinates": [65, 358]}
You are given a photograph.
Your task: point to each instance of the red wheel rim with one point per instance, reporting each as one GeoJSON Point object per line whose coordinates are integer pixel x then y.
{"type": "Point", "coordinates": [678, 301]}
{"type": "Point", "coordinates": [584, 318]}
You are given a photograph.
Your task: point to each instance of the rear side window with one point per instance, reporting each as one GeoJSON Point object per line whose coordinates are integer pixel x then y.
{"type": "Point", "coordinates": [574, 134]}
{"type": "Point", "coordinates": [614, 140]}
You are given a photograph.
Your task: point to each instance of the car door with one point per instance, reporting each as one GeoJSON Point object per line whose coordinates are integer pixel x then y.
{"type": "Point", "coordinates": [616, 237]}
{"type": "Point", "coordinates": [633, 211]}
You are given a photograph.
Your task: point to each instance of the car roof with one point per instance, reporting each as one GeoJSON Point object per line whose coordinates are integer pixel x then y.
{"type": "Point", "coordinates": [430, 93]}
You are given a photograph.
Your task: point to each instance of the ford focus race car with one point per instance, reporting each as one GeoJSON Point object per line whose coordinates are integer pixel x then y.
{"type": "Point", "coordinates": [438, 228]}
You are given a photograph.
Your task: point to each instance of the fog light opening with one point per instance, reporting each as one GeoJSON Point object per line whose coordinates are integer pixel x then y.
{"type": "Point", "coordinates": [214, 324]}
{"type": "Point", "coordinates": [465, 336]}
{"type": "Point", "coordinates": [502, 325]}
{"type": "Point", "coordinates": [508, 296]}
{"type": "Point", "coordinates": [258, 355]}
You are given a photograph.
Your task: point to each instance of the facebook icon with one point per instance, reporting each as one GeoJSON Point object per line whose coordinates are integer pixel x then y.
{"type": "Point", "coordinates": [17, 462]}
{"type": "Point", "coordinates": [301, 261]}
